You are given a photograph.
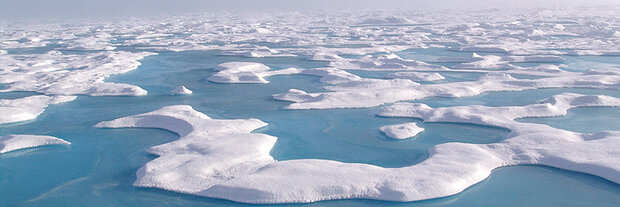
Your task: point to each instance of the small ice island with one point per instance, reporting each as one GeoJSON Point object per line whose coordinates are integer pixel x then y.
{"type": "Point", "coordinates": [402, 131]}
{"type": "Point", "coordinates": [181, 90]}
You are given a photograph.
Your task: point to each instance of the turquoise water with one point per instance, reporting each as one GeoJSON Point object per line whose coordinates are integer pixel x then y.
{"type": "Point", "coordinates": [99, 167]}
{"type": "Point", "coordinates": [584, 119]}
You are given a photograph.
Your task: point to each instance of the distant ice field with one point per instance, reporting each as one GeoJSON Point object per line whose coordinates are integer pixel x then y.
{"type": "Point", "coordinates": [323, 94]}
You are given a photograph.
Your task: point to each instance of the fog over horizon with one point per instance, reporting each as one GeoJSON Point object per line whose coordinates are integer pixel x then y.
{"type": "Point", "coordinates": [52, 10]}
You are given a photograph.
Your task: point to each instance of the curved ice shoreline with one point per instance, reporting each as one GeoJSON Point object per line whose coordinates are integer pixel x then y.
{"type": "Point", "coordinates": [223, 159]}
{"type": "Point", "coordinates": [14, 142]}
{"type": "Point", "coordinates": [27, 108]}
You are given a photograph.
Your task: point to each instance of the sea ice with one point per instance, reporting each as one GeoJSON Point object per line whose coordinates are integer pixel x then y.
{"type": "Point", "coordinates": [374, 92]}
{"type": "Point", "coordinates": [59, 74]}
{"type": "Point", "coordinates": [246, 72]}
{"type": "Point", "coordinates": [416, 76]}
{"type": "Point", "coordinates": [393, 20]}
{"type": "Point", "coordinates": [483, 49]}
{"type": "Point", "coordinates": [21, 141]}
{"type": "Point", "coordinates": [389, 62]}
{"type": "Point", "coordinates": [181, 90]}
{"type": "Point", "coordinates": [402, 131]}
{"type": "Point", "coordinates": [28, 108]}
{"type": "Point", "coordinates": [324, 57]}
{"type": "Point", "coordinates": [331, 75]}
{"type": "Point", "coordinates": [257, 52]}
{"type": "Point", "coordinates": [223, 159]}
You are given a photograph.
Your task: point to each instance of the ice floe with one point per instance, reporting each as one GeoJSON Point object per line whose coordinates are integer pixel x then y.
{"type": "Point", "coordinates": [331, 75]}
{"type": "Point", "coordinates": [209, 151]}
{"type": "Point", "coordinates": [73, 74]}
{"type": "Point", "coordinates": [14, 142]}
{"type": "Point", "coordinates": [28, 108]}
{"type": "Point", "coordinates": [389, 62]}
{"type": "Point", "coordinates": [181, 90]}
{"type": "Point", "coordinates": [246, 72]}
{"type": "Point", "coordinates": [498, 62]}
{"type": "Point", "coordinates": [402, 131]}
{"type": "Point", "coordinates": [223, 159]}
{"type": "Point", "coordinates": [374, 92]}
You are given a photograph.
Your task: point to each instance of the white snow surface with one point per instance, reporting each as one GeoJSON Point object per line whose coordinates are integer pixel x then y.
{"type": "Point", "coordinates": [249, 72]}
{"type": "Point", "coordinates": [246, 72]}
{"type": "Point", "coordinates": [256, 52]}
{"type": "Point", "coordinates": [588, 31]}
{"type": "Point", "coordinates": [331, 75]}
{"type": "Point", "coordinates": [369, 92]}
{"type": "Point", "coordinates": [402, 131]}
{"type": "Point", "coordinates": [27, 108]}
{"type": "Point", "coordinates": [59, 74]}
{"type": "Point", "coordinates": [389, 62]}
{"type": "Point", "coordinates": [324, 57]}
{"type": "Point", "coordinates": [223, 159]}
{"type": "Point", "coordinates": [14, 142]}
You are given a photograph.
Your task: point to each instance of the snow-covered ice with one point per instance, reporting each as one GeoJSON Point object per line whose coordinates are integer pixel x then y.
{"type": "Point", "coordinates": [181, 90]}
{"type": "Point", "coordinates": [257, 52]}
{"type": "Point", "coordinates": [416, 76]}
{"type": "Point", "coordinates": [14, 142]}
{"type": "Point", "coordinates": [389, 62]}
{"type": "Point", "coordinates": [72, 74]}
{"type": "Point", "coordinates": [369, 92]}
{"type": "Point", "coordinates": [402, 131]}
{"type": "Point", "coordinates": [27, 108]}
{"type": "Point", "coordinates": [324, 57]}
{"type": "Point", "coordinates": [511, 51]}
{"type": "Point", "coordinates": [223, 159]}
{"type": "Point", "coordinates": [246, 72]}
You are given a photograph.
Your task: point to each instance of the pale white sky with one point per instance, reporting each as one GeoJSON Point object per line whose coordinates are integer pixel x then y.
{"type": "Point", "coordinates": [72, 9]}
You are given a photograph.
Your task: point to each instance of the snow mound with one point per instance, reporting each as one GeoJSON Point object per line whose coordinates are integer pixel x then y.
{"type": "Point", "coordinates": [402, 131]}
{"type": "Point", "coordinates": [21, 141]}
{"type": "Point", "coordinates": [181, 90]}
{"type": "Point", "coordinates": [28, 108]}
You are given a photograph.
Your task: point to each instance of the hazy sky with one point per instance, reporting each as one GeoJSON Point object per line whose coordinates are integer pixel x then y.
{"type": "Point", "coordinates": [72, 9]}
